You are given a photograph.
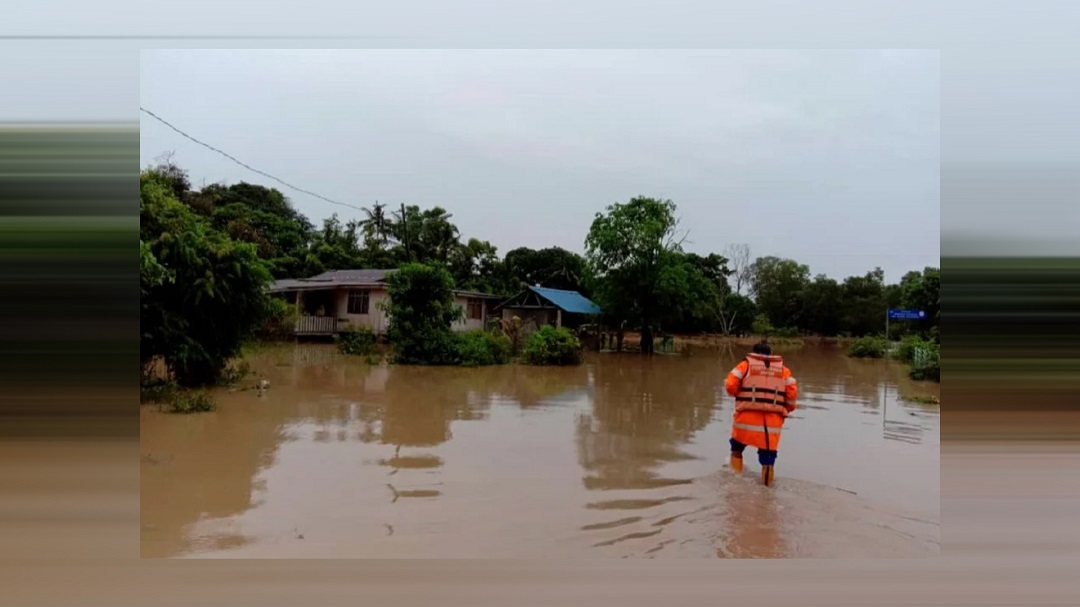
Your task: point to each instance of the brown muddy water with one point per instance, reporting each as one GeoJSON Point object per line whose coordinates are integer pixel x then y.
{"type": "Point", "coordinates": [620, 457]}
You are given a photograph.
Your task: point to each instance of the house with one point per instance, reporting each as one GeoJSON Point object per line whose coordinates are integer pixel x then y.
{"type": "Point", "coordinates": [332, 301]}
{"type": "Point", "coordinates": [549, 307]}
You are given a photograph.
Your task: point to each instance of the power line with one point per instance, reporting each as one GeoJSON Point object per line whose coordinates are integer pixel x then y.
{"type": "Point", "coordinates": [245, 165]}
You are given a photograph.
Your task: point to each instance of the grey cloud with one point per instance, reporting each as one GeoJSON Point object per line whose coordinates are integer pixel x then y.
{"type": "Point", "coordinates": [829, 157]}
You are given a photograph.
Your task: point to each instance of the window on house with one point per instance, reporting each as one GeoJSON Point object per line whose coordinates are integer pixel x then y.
{"type": "Point", "coordinates": [476, 309]}
{"type": "Point", "coordinates": [358, 302]}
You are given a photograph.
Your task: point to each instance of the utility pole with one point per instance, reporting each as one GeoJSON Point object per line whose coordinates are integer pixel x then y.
{"type": "Point", "coordinates": [405, 229]}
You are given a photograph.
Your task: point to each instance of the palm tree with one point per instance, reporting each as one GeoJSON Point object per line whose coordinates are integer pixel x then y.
{"type": "Point", "coordinates": [377, 223]}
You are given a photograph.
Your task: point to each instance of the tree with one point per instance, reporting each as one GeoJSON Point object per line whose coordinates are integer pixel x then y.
{"type": "Point", "coordinates": [475, 266]}
{"type": "Point", "coordinates": [922, 291]}
{"type": "Point", "coordinates": [552, 267]}
{"type": "Point", "coordinates": [863, 303]}
{"type": "Point", "coordinates": [168, 173]}
{"type": "Point", "coordinates": [822, 301]}
{"type": "Point", "coordinates": [279, 239]}
{"type": "Point", "coordinates": [778, 286]}
{"type": "Point", "coordinates": [203, 293]}
{"type": "Point", "coordinates": [736, 313]}
{"type": "Point", "coordinates": [690, 291]}
{"type": "Point", "coordinates": [335, 247]}
{"type": "Point", "coordinates": [247, 213]}
{"type": "Point", "coordinates": [633, 250]}
{"type": "Point", "coordinates": [739, 262]}
{"type": "Point", "coordinates": [421, 311]}
{"type": "Point", "coordinates": [427, 235]}
{"type": "Point", "coordinates": [714, 268]}
{"type": "Point", "coordinates": [376, 224]}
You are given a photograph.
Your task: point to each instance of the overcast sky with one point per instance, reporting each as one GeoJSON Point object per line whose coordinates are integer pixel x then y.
{"type": "Point", "coordinates": [828, 157]}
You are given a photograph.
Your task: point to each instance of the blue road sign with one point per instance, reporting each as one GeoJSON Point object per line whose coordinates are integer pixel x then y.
{"type": "Point", "coordinates": [907, 314]}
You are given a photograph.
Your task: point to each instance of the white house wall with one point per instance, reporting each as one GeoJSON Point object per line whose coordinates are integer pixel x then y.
{"type": "Point", "coordinates": [468, 324]}
{"type": "Point", "coordinates": [378, 321]}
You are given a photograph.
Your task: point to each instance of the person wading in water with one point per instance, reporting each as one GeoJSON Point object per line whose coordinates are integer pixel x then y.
{"type": "Point", "coordinates": [765, 394]}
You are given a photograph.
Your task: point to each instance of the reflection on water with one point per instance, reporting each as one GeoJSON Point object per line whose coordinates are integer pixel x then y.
{"type": "Point", "coordinates": [622, 456]}
{"type": "Point", "coordinates": [753, 523]}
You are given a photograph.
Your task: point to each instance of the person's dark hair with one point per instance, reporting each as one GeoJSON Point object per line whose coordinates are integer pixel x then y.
{"type": "Point", "coordinates": [762, 348]}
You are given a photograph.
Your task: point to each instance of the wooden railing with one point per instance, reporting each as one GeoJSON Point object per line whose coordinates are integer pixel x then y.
{"type": "Point", "coordinates": [316, 325]}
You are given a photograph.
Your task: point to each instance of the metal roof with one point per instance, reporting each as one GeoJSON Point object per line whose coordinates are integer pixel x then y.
{"type": "Point", "coordinates": [332, 279]}
{"type": "Point", "coordinates": [353, 276]}
{"type": "Point", "coordinates": [477, 295]}
{"type": "Point", "coordinates": [349, 278]}
{"type": "Point", "coordinates": [569, 301]}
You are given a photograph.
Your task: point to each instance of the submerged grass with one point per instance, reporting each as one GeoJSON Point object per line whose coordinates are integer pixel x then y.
{"type": "Point", "coordinates": [191, 402]}
{"type": "Point", "coordinates": [922, 399]}
{"type": "Point", "coordinates": [173, 399]}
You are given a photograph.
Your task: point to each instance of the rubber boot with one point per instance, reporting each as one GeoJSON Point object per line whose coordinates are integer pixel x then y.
{"type": "Point", "coordinates": [767, 475]}
{"type": "Point", "coordinates": [736, 462]}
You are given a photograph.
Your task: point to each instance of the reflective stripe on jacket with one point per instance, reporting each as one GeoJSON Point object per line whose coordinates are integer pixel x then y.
{"type": "Point", "coordinates": [765, 392]}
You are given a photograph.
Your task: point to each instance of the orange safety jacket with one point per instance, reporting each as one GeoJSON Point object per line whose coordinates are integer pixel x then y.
{"type": "Point", "coordinates": [765, 393]}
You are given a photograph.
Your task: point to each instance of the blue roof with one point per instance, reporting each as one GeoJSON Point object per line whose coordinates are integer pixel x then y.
{"type": "Point", "coordinates": [570, 301]}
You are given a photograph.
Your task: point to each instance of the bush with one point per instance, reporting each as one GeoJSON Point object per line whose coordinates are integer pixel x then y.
{"type": "Point", "coordinates": [926, 362]}
{"type": "Point", "coordinates": [761, 325]}
{"type": "Point", "coordinates": [868, 347]}
{"type": "Point", "coordinates": [481, 348]}
{"type": "Point", "coordinates": [156, 390]}
{"type": "Point", "coordinates": [787, 332]}
{"type": "Point", "coordinates": [234, 373]}
{"type": "Point", "coordinates": [551, 346]}
{"type": "Point", "coordinates": [513, 329]}
{"type": "Point", "coordinates": [280, 320]}
{"type": "Point", "coordinates": [358, 341]}
{"type": "Point", "coordinates": [191, 402]}
{"type": "Point", "coordinates": [422, 310]}
{"type": "Point", "coordinates": [203, 293]}
{"type": "Point", "coordinates": [906, 351]}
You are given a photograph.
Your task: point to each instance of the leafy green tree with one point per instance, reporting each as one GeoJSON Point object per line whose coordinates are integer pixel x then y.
{"type": "Point", "coordinates": [822, 301]}
{"type": "Point", "coordinates": [761, 326]}
{"type": "Point", "coordinates": [701, 297]}
{"type": "Point", "coordinates": [634, 252]}
{"type": "Point", "coordinates": [552, 267]}
{"type": "Point", "coordinates": [475, 266]}
{"type": "Point", "coordinates": [736, 313]}
{"type": "Point", "coordinates": [335, 247]}
{"type": "Point", "coordinates": [151, 273]}
{"type": "Point", "coordinates": [172, 176]}
{"type": "Point", "coordinates": [203, 293]}
{"type": "Point", "coordinates": [714, 268]}
{"type": "Point", "coordinates": [863, 303]}
{"type": "Point", "coordinates": [922, 291]}
{"type": "Point", "coordinates": [690, 293]}
{"type": "Point", "coordinates": [427, 235]}
{"type": "Point", "coordinates": [778, 286]}
{"type": "Point", "coordinates": [263, 216]}
{"type": "Point", "coordinates": [421, 311]}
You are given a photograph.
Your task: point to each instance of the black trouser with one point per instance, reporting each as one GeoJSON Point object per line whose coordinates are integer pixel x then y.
{"type": "Point", "coordinates": [766, 457]}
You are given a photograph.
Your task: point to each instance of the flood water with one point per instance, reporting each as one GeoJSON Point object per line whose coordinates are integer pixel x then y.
{"type": "Point", "coordinates": [623, 456]}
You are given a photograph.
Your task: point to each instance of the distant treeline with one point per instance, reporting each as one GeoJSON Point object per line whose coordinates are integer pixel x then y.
{"type": "Point", "coordinates": [207, 253]}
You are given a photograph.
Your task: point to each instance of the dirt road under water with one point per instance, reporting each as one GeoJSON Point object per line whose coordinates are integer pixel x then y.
{"type": "Point", "coordinates": [621, 457]}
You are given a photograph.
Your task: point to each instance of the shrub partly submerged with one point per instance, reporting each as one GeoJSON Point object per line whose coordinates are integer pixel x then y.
{"type": "Point", "coordinates": [357, 341]}
{"type": "Point", "coordinates": [926, 362]}
{"type": "Point", "coordinates": [552, 346]}
{"type": "Point", "coordinates": [191, 402]}
{"type": "Point", "coordinates": [481, 348]}
{"type": "Point", "coordinates": [868, 347]}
